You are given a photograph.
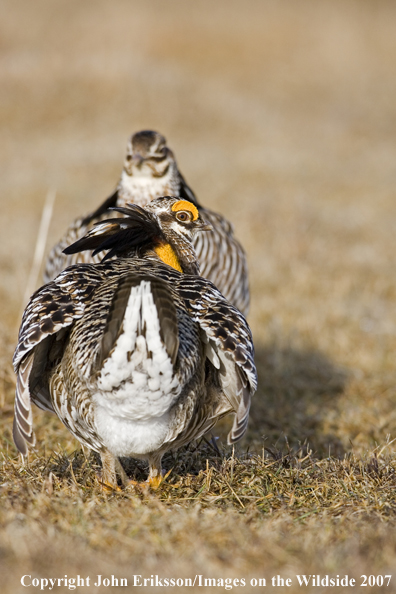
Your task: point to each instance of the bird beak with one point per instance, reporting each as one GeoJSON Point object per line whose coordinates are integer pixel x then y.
{"type": "Point", "coordinates": [132, 162]}
{"type": "Point", "coordinates": [204, 226]}
{"type": "Point", "coordinates": [137, 160]}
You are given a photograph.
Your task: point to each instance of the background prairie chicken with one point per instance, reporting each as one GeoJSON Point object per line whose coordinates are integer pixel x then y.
{"type": "Point", "coordinates": [138, 354]}
{"type": "Point", "coordinates": [150, 171]}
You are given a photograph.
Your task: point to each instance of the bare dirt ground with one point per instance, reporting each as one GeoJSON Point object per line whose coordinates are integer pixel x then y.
{"type": "Point", "coordinates": [283, 117]}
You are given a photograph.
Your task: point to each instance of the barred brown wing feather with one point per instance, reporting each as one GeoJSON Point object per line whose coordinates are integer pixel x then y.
{"type": "Point", "coordinates": [230, 346]}
{"type": "Point", "coordinates": [22, 430]}
{"type": "Point", "coordinates": [49, 310]}
{"type": "Point", "coordinates": [241, 419]}
{"type": "Point", "coordinates": [221, 321]}
{"type": "Point", "coordinates": [46, 319]}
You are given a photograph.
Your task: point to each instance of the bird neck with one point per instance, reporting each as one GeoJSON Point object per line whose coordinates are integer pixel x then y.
{"type": "Point", "coordinates": [168, 255]}
{"type": "Point", "coordinates": [179, 253]}
{"type": "Point", "coordinates": [141, 190]}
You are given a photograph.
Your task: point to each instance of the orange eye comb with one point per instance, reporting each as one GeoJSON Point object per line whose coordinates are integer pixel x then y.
{"type": "Point", "coordinates": [185, 205]}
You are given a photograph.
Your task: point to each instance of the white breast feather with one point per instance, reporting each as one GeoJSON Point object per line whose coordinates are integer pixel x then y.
{"type": "Point", "coordinates": [142, 189]}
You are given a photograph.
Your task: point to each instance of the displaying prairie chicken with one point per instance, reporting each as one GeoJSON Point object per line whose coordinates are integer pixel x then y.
{"type": "Point", "coordinates": [138, 354]}
{"type": "Point", "coordinates": [150, 171]}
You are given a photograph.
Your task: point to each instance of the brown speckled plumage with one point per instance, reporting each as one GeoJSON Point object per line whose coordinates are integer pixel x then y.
{"type": "Point", "coordinates": [132, 352]}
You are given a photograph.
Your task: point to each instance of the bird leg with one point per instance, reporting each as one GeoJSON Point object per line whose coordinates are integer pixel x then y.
{"type": "Point", "coordinates": [155, 477]}
{"type": "Point", "coordinates": [111, 465]}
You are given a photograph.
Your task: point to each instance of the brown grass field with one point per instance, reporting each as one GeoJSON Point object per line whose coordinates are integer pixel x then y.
{"type": "Point", "coordinates": [283, 116]}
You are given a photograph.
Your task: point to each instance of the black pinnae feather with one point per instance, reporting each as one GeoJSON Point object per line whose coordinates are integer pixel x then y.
{"type": "Point", "coordinates": [89, 242]}
{"type": "Point", "coordinates": [124, 241]}
{"type": "Point", "coordinates": [133, 211]}
{"type": "Point", "coordinates": [138, 229]}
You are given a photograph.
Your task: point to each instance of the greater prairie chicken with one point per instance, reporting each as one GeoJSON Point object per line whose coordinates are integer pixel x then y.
{"type": "Point", "coordinates": [136, 355]}
{"type": "Point", "coordinates": [150, 171]}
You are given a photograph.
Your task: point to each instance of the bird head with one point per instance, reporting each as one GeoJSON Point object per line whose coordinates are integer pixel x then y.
{"type": "Point", "coordinates": [177, 217]}
{"type": "Point", "coordinates": [165, 226]}
{"type": "Point", "coordinates": [147, 155]}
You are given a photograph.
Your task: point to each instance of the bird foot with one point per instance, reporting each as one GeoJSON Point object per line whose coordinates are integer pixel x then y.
{"type": "Point", "coordinates": [107, 487]}
{"type": "Point", "coordinates": [153, 482]}
{"type": "Point", "coordinates": [141, 486]}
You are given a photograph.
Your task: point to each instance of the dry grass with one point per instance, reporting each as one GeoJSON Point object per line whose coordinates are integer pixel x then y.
{"type": "Point", "coordinates": [282, 115]}
{"type": "Point", "coordinates": [227, 515]}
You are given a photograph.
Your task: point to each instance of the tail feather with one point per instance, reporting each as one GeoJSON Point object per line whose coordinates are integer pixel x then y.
{"type": "Point", "coordinates": [166, 311]}
{"type": "Point", "coordinates": [167, 317]}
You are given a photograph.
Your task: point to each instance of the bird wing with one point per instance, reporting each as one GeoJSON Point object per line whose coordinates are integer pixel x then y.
{"type": "Point", "coordinates": [229, 346]}
{"type": "Point", "coordinates": [46, 319]}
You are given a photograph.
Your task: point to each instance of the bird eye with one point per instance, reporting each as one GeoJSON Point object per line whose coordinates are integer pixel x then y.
{"type": "Point", "coordinates": [183, 216]}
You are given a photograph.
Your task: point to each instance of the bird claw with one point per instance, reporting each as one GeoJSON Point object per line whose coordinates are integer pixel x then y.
{"type": "Point", "coordinates": [138, 484]}
{"type": "Point", "coordinates": [153, 482]}
{"type": "Point", "coordinates": [106, 486]}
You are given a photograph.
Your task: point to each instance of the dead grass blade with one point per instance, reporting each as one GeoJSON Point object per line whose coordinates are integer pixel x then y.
{"type": "Point", "coordinates": [41, 242]}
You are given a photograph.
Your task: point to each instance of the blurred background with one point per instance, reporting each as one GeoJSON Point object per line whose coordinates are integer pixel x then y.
{"type": "Point", "coordinates": [282, 115]}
